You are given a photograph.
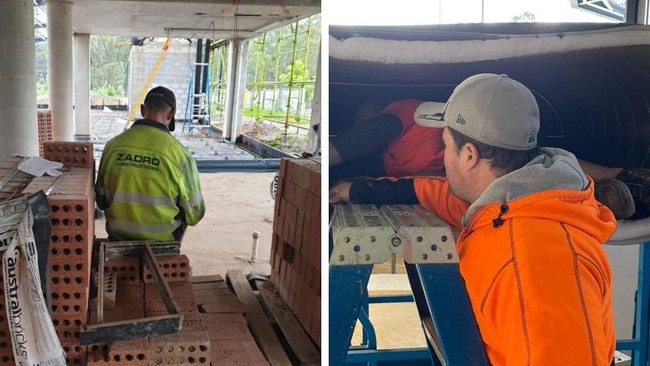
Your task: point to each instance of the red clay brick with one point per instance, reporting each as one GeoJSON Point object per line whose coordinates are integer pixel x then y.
{"type": "Point", "coordinates": [75, 354]}
{"type": "Point", "coordinates": [315, 330]}
{"type": "Point", "coordinates": [66, 244]}
{"type": "Point", "coordinates": [128, 295]}
{"type": "Point", "coordinates": [71, 154]}
{"type": "Point", "coordinates": [159, 306]}
{"type": "Point", "coordinates": [206, 278]}
{"type": "Point", "coordinates": [132, 352]}
{"type": "Point", "coordinates": [127, 269]}
{"type": "Point", "coordinates": [237, 352]}
{"type": "Point", "coordinates": [184, 347]}
{"type": "Point", "coordinates": [172, 267]}
{"type": "Point", "coordinates": [227, 326]}
{"type": "Point", "coordinates": [72, 272]}
{"type": "Point", "coordinates": [192, 320]}
{"type": "Point", "coordinates": [315, 211]}
{"type": "Point", "coordinates": [315, 183]}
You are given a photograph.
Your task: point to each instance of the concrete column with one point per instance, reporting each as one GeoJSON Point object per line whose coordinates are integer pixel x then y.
{"type": "Point", "coordinates": [82, 86]}
{"type": "Point", "coordinates": [315, 127]}
{"type": "Point", "coordinates": [235, 88]}
{"type": "Point", "coordinates": [18, 79]}
{"type": "Point", "coordinates": [59, 66]}
{"type": "Point", "coordinates": [641, 16]}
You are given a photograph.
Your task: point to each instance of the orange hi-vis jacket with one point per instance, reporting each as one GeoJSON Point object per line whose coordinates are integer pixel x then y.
{"type": "Point", "coordinates": [539, 282]}
{"type": "Point", "coordinates": [417, 149]}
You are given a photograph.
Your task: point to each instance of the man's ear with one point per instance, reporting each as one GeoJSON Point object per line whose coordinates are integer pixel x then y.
{"type": "Point", "coordinates": [469, 156]}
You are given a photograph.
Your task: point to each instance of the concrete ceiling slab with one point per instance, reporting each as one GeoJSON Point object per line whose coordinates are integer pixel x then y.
{"type": "Point", "coordinates": [213, 19]}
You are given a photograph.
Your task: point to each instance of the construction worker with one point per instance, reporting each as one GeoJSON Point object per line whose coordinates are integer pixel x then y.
{"type": "Point", "coordinates": [147, 183]}
{"type": "Point", "coordinates": [530, 246]}
{"type": "Point", "coordinates": [388, 141]}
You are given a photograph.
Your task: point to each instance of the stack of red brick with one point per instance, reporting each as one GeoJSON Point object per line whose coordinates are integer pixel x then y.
{"type": "Point", "coordinates": [70, 197]}
{"type": "Point", "coordinates": [296, 242]}
{"type": "Point", "coordinates": [126, 297]}
{"type": "Point", "coordinates": [214, 329]}
{"type": "Point", "coordinates": [44, 128]}
{"type": "Point", "coordinates": [72, 207]}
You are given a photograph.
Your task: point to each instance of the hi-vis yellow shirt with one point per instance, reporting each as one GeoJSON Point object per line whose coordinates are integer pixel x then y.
{"type": "Point", "coordinates": [148, 184]}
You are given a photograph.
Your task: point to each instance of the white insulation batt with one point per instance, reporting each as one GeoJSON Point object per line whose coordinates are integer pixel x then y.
{"type": "Point", "coordinates": [389, 51]}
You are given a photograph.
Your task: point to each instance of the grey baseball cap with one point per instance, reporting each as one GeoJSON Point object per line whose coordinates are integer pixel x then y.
{"type": "Point", "coordinates": [490, 108]}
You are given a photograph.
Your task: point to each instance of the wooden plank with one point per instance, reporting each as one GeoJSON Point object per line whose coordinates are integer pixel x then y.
{"type": "Point", "coordinates": [161, 282]}
{"type": "Point", "coordinates": [130, 329]}
{"type": "Point", "coordinates": [137, 249]}
{"type": "Point", "coordinates": [206, 278]}
{"type": "Point", "coordinates": [296, 336]}
{"type": "Point", "coordinates": [100, 283]}
{"type": "Point", "coordinates": [259, 323]}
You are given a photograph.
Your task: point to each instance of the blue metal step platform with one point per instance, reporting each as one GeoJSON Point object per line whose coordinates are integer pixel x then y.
{"type": "Point", "coordinates": [364, 235]}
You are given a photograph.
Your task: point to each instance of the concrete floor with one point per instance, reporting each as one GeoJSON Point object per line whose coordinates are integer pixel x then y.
{"type": "Point", "coordinates": [106, 124]}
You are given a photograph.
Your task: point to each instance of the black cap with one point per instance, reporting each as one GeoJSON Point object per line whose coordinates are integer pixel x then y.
{"type": "Point", "coordinates": [167, 96]}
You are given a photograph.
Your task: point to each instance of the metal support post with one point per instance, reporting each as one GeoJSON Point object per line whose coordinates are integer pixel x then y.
{"type": "Point", "coordinates": [640, 338]}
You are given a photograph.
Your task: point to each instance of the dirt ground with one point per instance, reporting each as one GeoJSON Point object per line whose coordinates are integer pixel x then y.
{"type": "Point", "coordinates": [237, 204]}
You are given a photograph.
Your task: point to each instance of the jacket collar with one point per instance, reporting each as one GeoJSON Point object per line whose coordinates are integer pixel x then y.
{"type": "Point", "coordinates": [151, 123]}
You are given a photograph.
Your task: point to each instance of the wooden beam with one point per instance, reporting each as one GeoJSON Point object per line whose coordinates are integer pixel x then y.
{"type": "Point", "coordinates": [258, 321]}
{"type": "Point", "coordinates": [130, 329]}
{"type": "Point", "coordinates": [297, 338]}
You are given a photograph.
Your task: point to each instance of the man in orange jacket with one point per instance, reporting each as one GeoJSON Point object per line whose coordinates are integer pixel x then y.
{"type": "Point", "coordinates": [532, 231]}
{"type": "Point", "coordinates": [387, 141]}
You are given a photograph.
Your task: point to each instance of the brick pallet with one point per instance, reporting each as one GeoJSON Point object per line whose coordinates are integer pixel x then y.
{"type": "Point", "coordinates": [215, 322]}
{"type": "Point", "coordinates": [296, 242]}
{"type": "Point", "coordinates": [70, 197]}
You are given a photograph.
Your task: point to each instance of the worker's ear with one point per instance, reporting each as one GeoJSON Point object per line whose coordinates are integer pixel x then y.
{"type": "Point", "coordinates": [170, 114]}
{"type": "Point", "coordinates": [469, 156]}
{"type": "Point", "coordinates": [143, 110]}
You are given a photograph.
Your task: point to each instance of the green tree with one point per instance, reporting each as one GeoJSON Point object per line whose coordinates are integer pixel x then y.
{"type": "Point", "coordinates": [299, 72]}
{"type": "Point", "coordinates": [301, 77]}
{"type": "Point", "coordinates": [108, 64]}
{"type": "Point", "coordinates": [41, 68]}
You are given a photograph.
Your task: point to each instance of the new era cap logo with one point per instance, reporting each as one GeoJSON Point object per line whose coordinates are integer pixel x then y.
{"type": "Point", "coordinates": [532, 137]}
{"type": "Point", "coordinates": [430, 116]}
{"type": "Point", "coordinates": [460, 120]}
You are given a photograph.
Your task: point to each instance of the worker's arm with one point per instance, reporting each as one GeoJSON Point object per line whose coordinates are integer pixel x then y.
{"type": "Point", "coordinates": [431, 192]}
{"type": "Point", "coordinates": [377, 191]}
{"type": "Point", "coordinates": [190, 198]}
{"type": "Point", "coordinates": [100, 191]}
{"type": "Point", "coordinates": [363, 138]}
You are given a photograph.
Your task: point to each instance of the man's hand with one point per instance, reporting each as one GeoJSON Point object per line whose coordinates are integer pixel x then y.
{"type": "Point", "coordinates": [340, 192]}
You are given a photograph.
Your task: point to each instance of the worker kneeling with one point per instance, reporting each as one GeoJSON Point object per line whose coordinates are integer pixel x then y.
{"type": "Point", "coordinates": [147, 183]}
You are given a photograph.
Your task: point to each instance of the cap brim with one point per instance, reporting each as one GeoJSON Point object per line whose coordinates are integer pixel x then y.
{"type": "Point", "coordinates": [430, 114]}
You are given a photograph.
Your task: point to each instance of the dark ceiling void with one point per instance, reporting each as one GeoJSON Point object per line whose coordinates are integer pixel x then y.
{"type": "Point", "coordinates": [595, 103]}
